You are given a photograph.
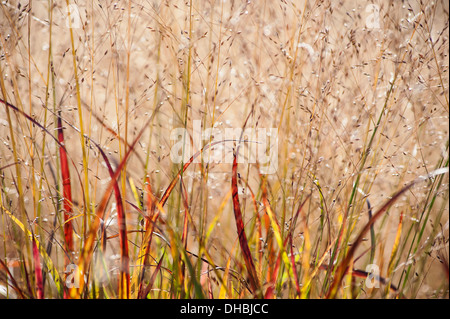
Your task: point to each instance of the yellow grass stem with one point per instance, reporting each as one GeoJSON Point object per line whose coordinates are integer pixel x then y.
{"type": "Point", "coordinates": [80, 119]}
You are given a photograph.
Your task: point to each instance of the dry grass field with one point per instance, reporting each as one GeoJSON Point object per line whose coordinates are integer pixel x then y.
{"type": "Point", "coordinates": [351, 98]}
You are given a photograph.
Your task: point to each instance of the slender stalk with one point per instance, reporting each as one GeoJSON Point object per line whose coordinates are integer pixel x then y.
{"type": "Point", "coordinates": [87, 209]}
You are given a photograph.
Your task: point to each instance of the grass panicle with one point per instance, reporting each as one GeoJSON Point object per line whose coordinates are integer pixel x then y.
{"type": "Point", "coordinates": [230, 150]}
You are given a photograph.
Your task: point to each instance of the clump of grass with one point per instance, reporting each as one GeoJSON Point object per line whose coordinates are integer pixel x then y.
{"type": "Point", "coordinates": [93, 205]}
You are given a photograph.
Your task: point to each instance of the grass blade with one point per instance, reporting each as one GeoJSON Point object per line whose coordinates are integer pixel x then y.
{"type": "Point", "coordinates": [155, 207]}
{"type": "Point", "coordinates": [38, 271]}
{"type": "Point", "coordinates": [48, 261]}
{"type": "Point", "coordinates": [13, 283]}
{"type": "Point", "coordinates": [124, 282]}
{"type": "Point", "coordinates": [254, 283]}
{"type": "Point", "coordinates": [152, 279]}
{"type": "Point", "coordinates": [276, 231]}
{"type": "Point", "coordinates": [86, 253]}
{"type": "Point", "coordinates": [344, 264]}
{"type": "Point", "coordinates": [274, 275]}
{"type": "Point", "coordinates": [67, 192]}
{"type": "Point", "coordinates": [394, 250]}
